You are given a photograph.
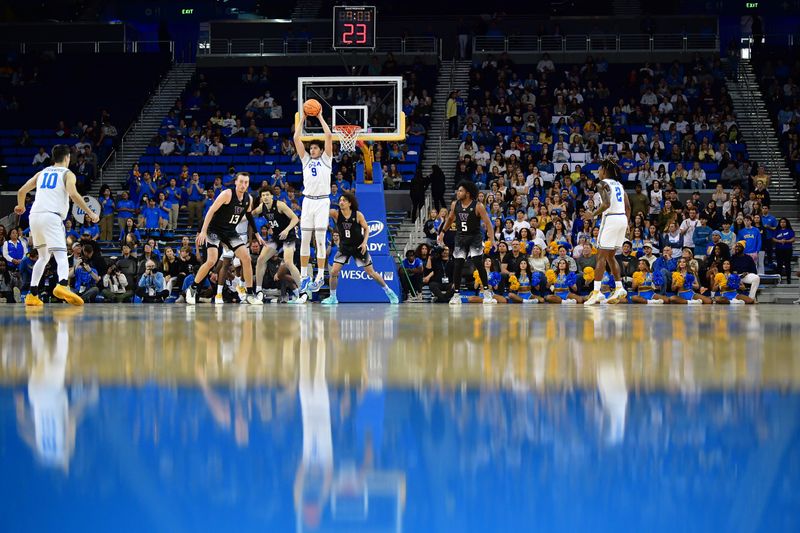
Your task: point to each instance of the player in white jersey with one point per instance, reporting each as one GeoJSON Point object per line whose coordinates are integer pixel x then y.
{"type": "Point", "coordinates": [227, 259]}
{"type": "Point", "coordinates": [316, 202]}
{"type": "Point", "coordinates": [54, 186]}
{"type": "Point", "coordinates": [615, 210]}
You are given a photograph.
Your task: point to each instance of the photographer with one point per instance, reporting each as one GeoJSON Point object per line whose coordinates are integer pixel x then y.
{"type": "Point", "coordinates": [116, 286]}
{"type": "Point", "coordinates": [151, 285]}
{"type": "Point", "coordinates": [441, 277]}
{"type": "Point", "coordinates": [85, 280]}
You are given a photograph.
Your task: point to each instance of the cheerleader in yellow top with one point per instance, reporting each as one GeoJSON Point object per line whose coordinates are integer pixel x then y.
{"type": "Point", "coordinates": [727, 285]}
{"type": "Point", "coordinates": [645, 286]}
{"type": "Point", "coordinates": [562, 284]}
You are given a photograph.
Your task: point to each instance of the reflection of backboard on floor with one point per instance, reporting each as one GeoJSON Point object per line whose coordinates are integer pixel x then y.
{"type": "Point", "coordinates": [365, 501]}
{"type": "Point", "coordinates": [374, 104]}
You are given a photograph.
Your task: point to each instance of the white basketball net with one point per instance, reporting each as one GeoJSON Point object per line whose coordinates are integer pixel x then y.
{"type": "Point", "coordinates": [348, 135]}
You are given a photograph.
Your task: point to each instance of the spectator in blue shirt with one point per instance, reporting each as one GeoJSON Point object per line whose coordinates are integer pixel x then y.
{"type": "Point", "coordinates": [92, 231]}
{"type": "Point", "coordinates": [70, 231]}
{"type": "Point", "coordinates": [14, 250]}
{"type": "Point", "coordinates": [701, 236]}
{"type": "Point", "coordinates": [770, 224]}
{"type": "Point", "coordinates": [151, 287]}
{"type": "Point", "coordinates": [196, 197]}
{"type": "Point", "coordinates": [125, 209]}
{"type": "Point", "coordinates": [26, 269]}
{"type": "Point", "coordinates": [335, 194]}
{"type": "Point", "coordinates": [413, 267]}
{"type": "Point", "coordinates": [666, 265]}
{"type": "Point", "coordinates": [751, 237]}
{"type": "Point", "coordinates": [85, 281]}
{"type": "Point", "coordinates": [209, 201]}
{"type": "Point", "coordinates": [197, 147]}
{"type": "Point", "coordinates": [628, 167]}
{"type": "Point", "coordinates": [274, 143]}
{"type": "Point", "coordinates": [107, 209]}
{"type": "Point", "coordinates": [146, 187]}
{"type": "Point", "coordinates": [130, 229]}
{"type": "Point", "coordinates": [149, 219]}
{"type": "Point", "coordinates": [784, 242]}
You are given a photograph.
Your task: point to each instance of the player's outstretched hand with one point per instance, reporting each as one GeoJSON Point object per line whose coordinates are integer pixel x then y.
{"type": "Point", "coordinates": [284, 234]}
{"type": "Point", "coordinates": [201, 239]}
{"type": "Point", "coordinates": [93, 217]}
{"type": "Point", "coordinates": [363, 247]}
{"type": "Point", "coordinates": [20, 210]}
{"type": "Point", "coordinates": [262, 242]}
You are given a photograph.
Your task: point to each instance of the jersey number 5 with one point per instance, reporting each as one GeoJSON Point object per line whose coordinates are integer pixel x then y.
{"type": "Point", "coordinates": [49, 181]}
{"type": "Point", "coordinates": [464, 227]}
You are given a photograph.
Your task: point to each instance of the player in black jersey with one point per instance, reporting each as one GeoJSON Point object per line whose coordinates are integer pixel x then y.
{"type": "Point", "coordinates": [219, 228]}
{"type": "Point", "coordinates": [353, 236]}
{"type": "Point", "coordinates": [282, 221]}
{"type": "Point", "coordinates": [467, 213]}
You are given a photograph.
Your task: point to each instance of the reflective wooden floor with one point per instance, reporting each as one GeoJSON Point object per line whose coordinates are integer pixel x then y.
{"type": "Point", "coordinates": [415, 418]}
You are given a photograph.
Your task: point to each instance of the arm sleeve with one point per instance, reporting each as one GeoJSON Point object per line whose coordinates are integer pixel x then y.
{"type": "Point", "coordinates": [251, 221]}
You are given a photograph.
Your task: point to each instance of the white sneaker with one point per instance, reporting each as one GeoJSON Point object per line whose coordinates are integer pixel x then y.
{"type": "Point", "coordinates": [456, 299]}
{"type": "Point", "coordinates": [619, 294]}
{"type": "Point", "coordinates": [595, 298]}
{"type": "Point", "coordinates": [530, 301]}
{"type": "Point", "coordinates": [190, 296]}
{"type": "Point", "coordinates": [17, 295]}
{"type": "Point", "coordinates": [242, 292]}
{"type": "Point", "coordinates": [736, 301]}
{"type": "Point", "coordinates": [252, 299]}
{"type": "Point", "coordinates": [655, 302]}
{"type": "Point", "coordinates": [568, 302]}
{"type": "Point", "coordinates": [218, 300]}
{"type": "Point", "coordinates": [694, 302]}
{"type": "Point", "coordinates": [796, 302]}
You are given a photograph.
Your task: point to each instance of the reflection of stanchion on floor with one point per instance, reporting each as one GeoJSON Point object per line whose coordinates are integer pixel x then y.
{"type": "Point", "coordinates": [613, 398]}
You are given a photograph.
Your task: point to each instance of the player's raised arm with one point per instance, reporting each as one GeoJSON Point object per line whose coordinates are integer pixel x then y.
{"type": "Point", "coordinates": [328, 135]}
{"type": "Point", "coordinates": [72, 190]}
{"type": "Point", "coordinates": [298, 133]}
{"type": "Point", "coordinates": [29, 186]}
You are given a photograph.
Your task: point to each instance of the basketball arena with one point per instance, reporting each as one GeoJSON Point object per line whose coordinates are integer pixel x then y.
{"type": "Point", "coordinates": [327, 266]}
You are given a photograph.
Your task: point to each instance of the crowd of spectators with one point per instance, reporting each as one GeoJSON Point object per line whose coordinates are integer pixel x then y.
{"type": "Point", "coordinates": [532, 138]}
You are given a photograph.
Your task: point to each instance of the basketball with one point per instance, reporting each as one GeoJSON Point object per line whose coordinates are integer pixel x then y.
{"type": "Point", "coordinates": [312, 108]}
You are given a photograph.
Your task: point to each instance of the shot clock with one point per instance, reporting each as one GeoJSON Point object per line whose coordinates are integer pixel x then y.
{"type": "Point", "coordinates": [353, 27]}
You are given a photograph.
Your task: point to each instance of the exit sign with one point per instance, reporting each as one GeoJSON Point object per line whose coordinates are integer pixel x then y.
{"type": "Point", "coordinates": [751, 5]}
{"type": "Point", "coordinates": [190, 11]}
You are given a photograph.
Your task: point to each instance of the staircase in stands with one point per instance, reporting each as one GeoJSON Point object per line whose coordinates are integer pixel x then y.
{"type": "Point", "coordinates": [763, 146]}
{"type": "Point", "coordinates": [135, 140]}
{"type": "Point", "coordinates": [627, 8]}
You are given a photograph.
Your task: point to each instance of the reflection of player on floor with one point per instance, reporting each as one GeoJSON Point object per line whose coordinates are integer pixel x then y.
{"type": "Point", "coordinates": [312, 484]}
{"type": "Point", "coordinates": [54, 186]}
{"type": "Point", "coordinates": [615, 211]}
{"type": "Point", "coordinates": [467, 213]}
{"type": "Point", "coordinates": [353, 235]}
{"type": "Point", "coordinates": [282, 221]}
{"type": "Point", "coordinates": [219, 228]}
{"type": "Point", "coordinates": [316, 202]}
{"type": "Point", "coordinates": [51, 427]}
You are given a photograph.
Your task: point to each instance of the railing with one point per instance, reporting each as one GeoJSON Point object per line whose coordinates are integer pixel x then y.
{"type": "Point", "coordinates": [89, 47]}
{"type": "Point", "coordinates": [597, 43]}
{"type": "Point", "coordinates": [314, 46]}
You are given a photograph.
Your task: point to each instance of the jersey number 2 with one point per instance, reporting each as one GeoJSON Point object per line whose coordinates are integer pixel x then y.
{"type": "Point", "coordinates": [619, 194]}
{"type": "Point", "coordinates": [49, 181]}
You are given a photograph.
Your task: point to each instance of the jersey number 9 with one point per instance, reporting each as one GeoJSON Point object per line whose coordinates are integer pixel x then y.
{"type": "Point", "coordinates": [314, 171]}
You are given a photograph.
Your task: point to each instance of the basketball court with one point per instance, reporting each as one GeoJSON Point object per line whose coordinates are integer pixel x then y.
{"type": "Point", "coordinates": [417, 417]}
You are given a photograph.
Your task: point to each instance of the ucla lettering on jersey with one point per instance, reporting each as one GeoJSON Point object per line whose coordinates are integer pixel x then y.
{"type": "Point", "coordinates": [616, 196]}
{"type": "Point", "coordinates": [317, 175]}
{"type": "Point", "coordinates": [51, 192]}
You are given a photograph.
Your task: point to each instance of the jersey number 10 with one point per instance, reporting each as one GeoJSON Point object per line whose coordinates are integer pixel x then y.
{"type": "Point", "coordinates": [49, 181]}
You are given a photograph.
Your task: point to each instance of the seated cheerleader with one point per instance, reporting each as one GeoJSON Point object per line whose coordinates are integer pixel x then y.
{"type": "Point", "coordinates": [562, 284]}
{"type": "Point", "coordinates": [520, 287]}
{"type": "Point", "coordinates": [645, 286]}
{"type": "Point", "coordinates": [727, 285]}
{"type": "Point", "coordinates": [684, 284]}
{"type": "Point", "coordinates": [494, 277]}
